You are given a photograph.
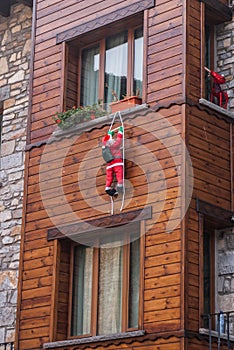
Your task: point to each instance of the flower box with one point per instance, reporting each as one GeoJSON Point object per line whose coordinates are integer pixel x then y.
{"type": "Point", "coordinates": [76, 115]}
{"type": "Point", "coordinates": [126, 103]}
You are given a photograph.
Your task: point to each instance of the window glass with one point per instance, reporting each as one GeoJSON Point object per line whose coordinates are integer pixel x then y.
{"type": "Point", "coordinates": [206, 273]}
{"type": "Point", "coordinates": [134, 284]}
{"type": "Point", "coordinates": [208, 62]}
{"type": "Point", "coordinates": [110, 289]}
{"type": "Point", "coordinates": [89, 76]}
{"type": "Point", "coordinates": [138, 62]}
{"type": "Point", "coordinates": [82, 290]}
{"type": "Point", "coordinates": [116, 64]}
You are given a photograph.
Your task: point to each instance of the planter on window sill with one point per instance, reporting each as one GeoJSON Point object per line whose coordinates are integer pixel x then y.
{"type": "Point", "coordinates": [70, 118]}
{"type": "Point", "coordinates": [126, 103]}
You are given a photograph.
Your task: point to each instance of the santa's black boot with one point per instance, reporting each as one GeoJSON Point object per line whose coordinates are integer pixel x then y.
{"type": "Point", "coordinates": [112, 192]}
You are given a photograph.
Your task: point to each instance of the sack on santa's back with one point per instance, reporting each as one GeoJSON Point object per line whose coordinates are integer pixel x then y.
{"type": "Point", "coordinates": [106, 153]}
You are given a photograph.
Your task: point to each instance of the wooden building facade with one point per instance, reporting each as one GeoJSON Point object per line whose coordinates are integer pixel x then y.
{"type": "Point", "coordinates": [179, 179]}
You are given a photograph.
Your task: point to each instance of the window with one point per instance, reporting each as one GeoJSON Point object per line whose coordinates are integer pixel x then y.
{"type": "Point", "coordinates": [106, 287]}
{"type": "Point", "coordinates": [209, 55]}
{"type": "Point", "coordinates": [208, 273]}
{"type": "Point", "coordinates": [213, 13]}
{"type": "Point", "coordinates": [112, 68]}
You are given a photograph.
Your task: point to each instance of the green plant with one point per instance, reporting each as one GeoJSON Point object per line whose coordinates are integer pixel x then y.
{"type": "Point", "coordinates": [76, 115]}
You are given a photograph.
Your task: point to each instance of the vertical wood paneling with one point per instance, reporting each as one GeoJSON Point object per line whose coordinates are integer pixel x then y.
{"type": "Point", "coordinates": [194, 55]}
{"type": "Point", "coordinates": [164, 43]}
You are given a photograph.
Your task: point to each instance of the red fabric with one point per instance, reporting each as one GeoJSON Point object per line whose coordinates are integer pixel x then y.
{"type": "Point", "coordinates": [117, 154]}
{"type": "Point", "coordinates": [218, 79]}
{"type": "Point", "coordinates": [117, 170]}
{"type": "Point", "coordinates": [217, 91]}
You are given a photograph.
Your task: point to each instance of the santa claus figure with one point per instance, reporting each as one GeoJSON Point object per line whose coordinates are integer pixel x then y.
{"type": "Point", "coordinates": [112, 154]}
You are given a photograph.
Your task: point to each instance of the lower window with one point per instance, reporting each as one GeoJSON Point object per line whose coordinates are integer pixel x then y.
{"type": "Point", "coordinates": [106, 286]}
{"type": "Point", "coordinates": [217, 277]}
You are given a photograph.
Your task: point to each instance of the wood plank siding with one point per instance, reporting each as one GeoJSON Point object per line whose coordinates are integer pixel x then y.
{"type": "Point", "coordinates": [164, 59]}
{"type": "Point", "coordinates": [162, 291]}
{"type": "Point", "coordinates": [62, 172]}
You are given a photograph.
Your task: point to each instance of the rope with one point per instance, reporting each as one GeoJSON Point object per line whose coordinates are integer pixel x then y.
{"type": "Point", "coordinates": [123, 154]}
{"type": "Point", "coordinates": [112, 206]}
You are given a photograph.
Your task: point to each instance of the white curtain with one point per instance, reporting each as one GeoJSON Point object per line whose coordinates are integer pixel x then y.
{"type": "Point", "coordinates": [82, 290]}
{"type": "Point", "coordinates": [138, 62]}
{"type": "Point", "coordinates": [110, 289]}
{"type": "Point", "coordinates": [116, 63]}
{"type": "Point", "coordinates": [134, 284]}
{"type": "Point", "coordinates": [90, 76]}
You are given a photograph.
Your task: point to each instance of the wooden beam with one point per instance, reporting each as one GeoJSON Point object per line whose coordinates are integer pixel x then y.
{"type": "Point", "coordinates": [218, 11]}
{"type": "Point", "coordinates": [107, 221]}
{"type": "Point", "coordinates": [99, 22]}
{"type": "Point", "coordinates": [223, 218]}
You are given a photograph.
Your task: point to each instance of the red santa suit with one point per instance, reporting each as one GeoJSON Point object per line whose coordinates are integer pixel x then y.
{"type": "Point", "coordinates": [216, 91]}
{"type": "Point", "coordinates": [218, 79]}
{"type": "Point", "coordinates": [114, 166]}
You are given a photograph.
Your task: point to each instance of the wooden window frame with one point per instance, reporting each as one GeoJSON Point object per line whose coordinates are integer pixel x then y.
{"type": "Point", "coordinates": [125, 286]}
{"type": "Point", "coordinates": [206, 21]}
{"type": "Point", "coordinates": [204, 228]}
{"type": "Point", "coordinates": [215, 218]}
{"type": "Point", "coordinates": [102, 47]}
{"type": "Point", "coordinates": [212, 13]}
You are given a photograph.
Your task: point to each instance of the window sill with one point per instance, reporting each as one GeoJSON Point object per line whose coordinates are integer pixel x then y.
{"type": "Point", "coordinates": [216, 108]}
{"type": "Point", "coordinates": [95, 123]}
{"type": "Point", "coordinates": [215, 334]}
{"type": "Point", "coordinates": [98, 338]}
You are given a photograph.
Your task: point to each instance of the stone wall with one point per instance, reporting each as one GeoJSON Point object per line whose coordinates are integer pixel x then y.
{"type": "Point", "coordinates": [225, 238]}
{"type": "Point", "coordinates": [225, 272]}
{"type": "Point", "coordinates": [225, 57]}
{"type": "Point", "coordinates": [15, 39]}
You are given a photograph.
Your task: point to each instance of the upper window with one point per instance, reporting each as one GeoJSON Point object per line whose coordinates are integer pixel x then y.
{"type": "Point", "coordinates": [212, 83]}
{"type": "Point", "coordinates": [209, 56]}
{"type": "Point", "coordinates": [112, 68]}
{"type": "Point", "coordinates": [106, 288]}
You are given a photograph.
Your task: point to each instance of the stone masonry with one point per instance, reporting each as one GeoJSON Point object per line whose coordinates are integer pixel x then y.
{"type": "Point", "coordinates": [225, 239]}
{"type": "Point", "coordinates": [15, 47]}
{"type": "Point", "coordinates": [225, 272]}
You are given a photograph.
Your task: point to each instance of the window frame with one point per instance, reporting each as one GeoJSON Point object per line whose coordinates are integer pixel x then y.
{"type": "Point", "coordinates": [212, 13]}
{"type": "Point", "coordinates": [125, 286]}
{"type": "Point", "coordinates": [210, 219]}
{"type": "Point", "coordinates": [207, 22]}
{"type": "Point", "coordinates": [130, 64]}
{"type": "Point", "coordinates": [208, 230]}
